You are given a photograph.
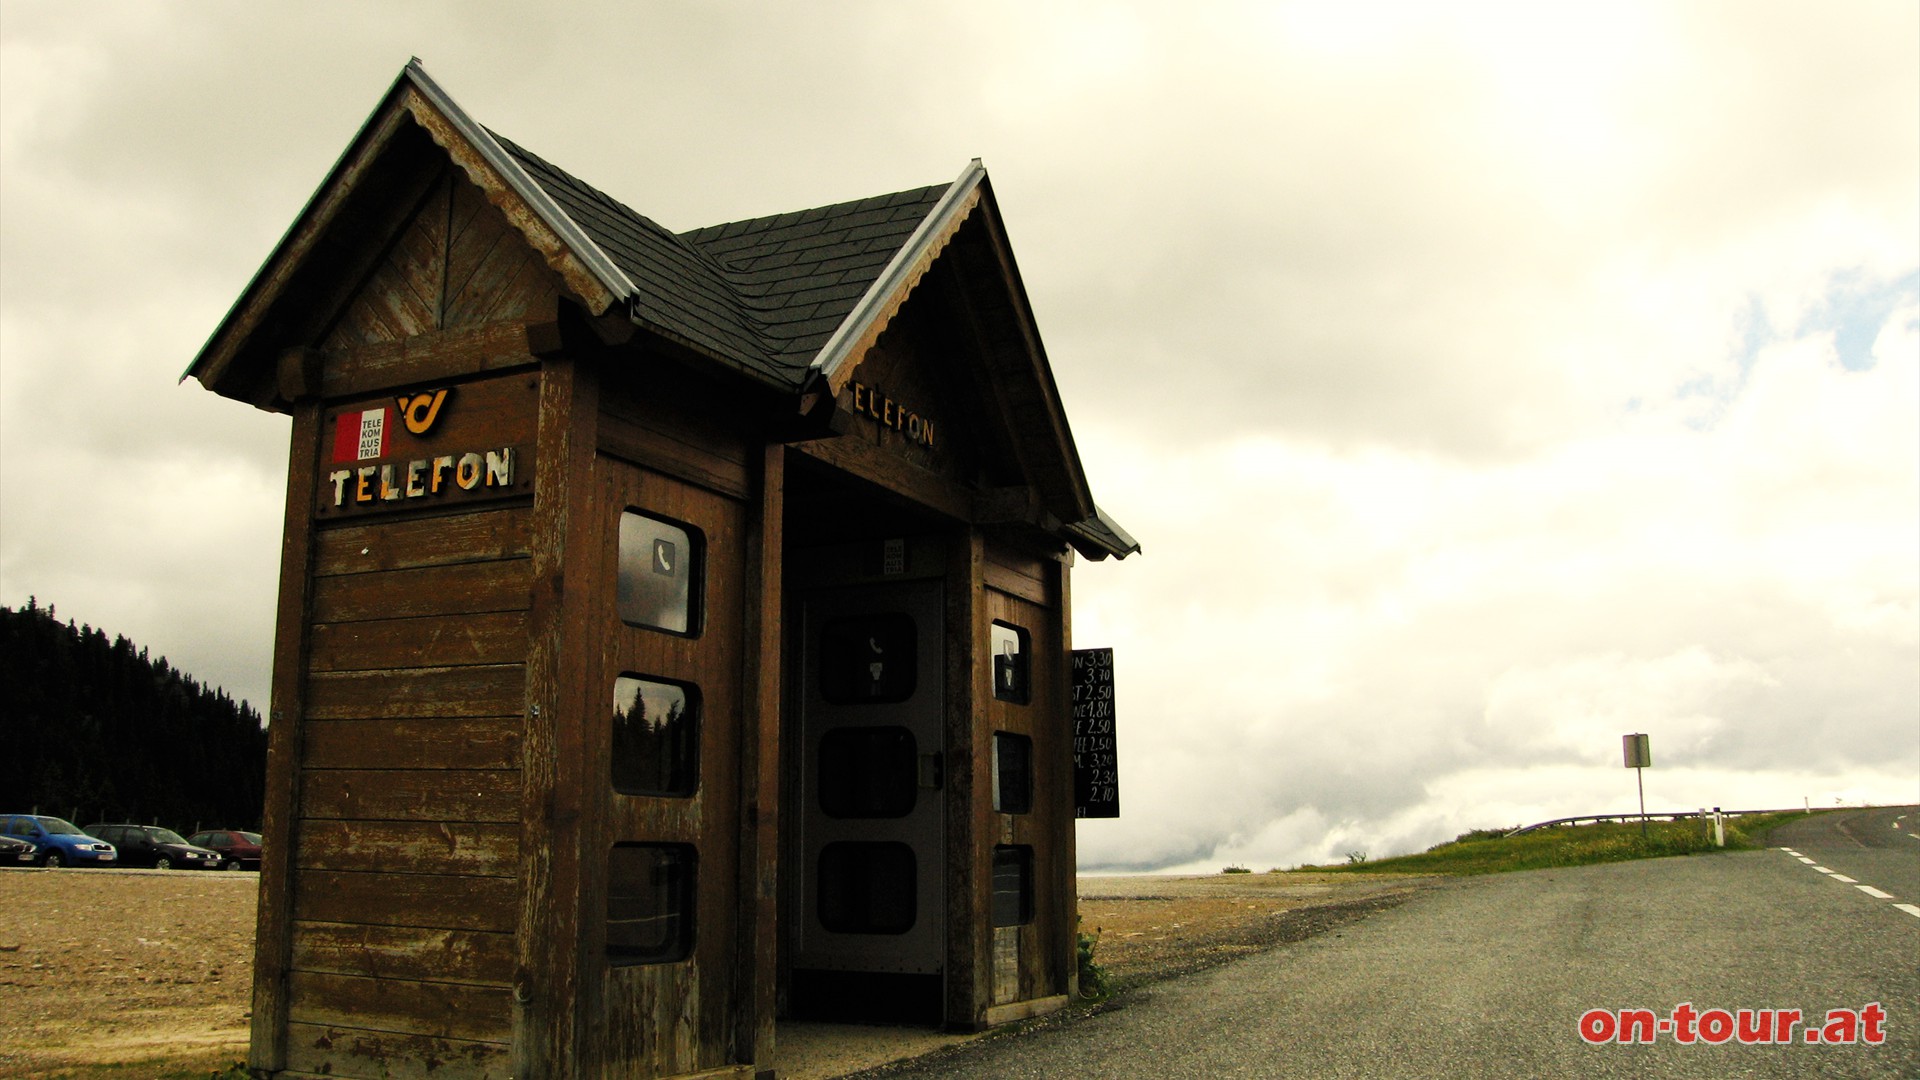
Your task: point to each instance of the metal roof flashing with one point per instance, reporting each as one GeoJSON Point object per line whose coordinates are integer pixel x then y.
{"type": "Point", "coordinates": [611, 277]}
{"type": "Point", "coordinates": [933, 229]}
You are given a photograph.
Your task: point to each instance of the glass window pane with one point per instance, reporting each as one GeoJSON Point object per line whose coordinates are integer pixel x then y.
{"type": "Point", "coordinates": [659, 574]}
{"type": "Point", "coordinates": [867, 887]}
{"type": "Point", "coordinates": [1011, 660]}
{"type": "Point", "coordinates": [650, 891]}
{"type": "Point", "coordinates": [869, 659]}
{"type": "Point", "coordinates": [868, 772]}
{"type": "Point", "coordinates": [656, 737]}
{"type": "Point", "coordinates": [1012, 773]}
{"type": "Point", "coordinates": [1012, 885]}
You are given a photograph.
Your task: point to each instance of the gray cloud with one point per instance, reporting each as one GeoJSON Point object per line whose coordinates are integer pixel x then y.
{"type": "Point", "coordinates": [1414, 342]}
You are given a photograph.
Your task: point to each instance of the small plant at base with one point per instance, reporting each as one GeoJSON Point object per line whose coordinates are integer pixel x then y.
{"type": "Point", "coordinates": [1094, 986]}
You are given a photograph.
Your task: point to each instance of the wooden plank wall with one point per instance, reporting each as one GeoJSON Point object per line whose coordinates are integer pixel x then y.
{"type": "Point", "coordinates": [388, 933]}
{"type": "Point", "coordinates": [457, 263]}
{"type": "Point", "coordinates": [407, 828]}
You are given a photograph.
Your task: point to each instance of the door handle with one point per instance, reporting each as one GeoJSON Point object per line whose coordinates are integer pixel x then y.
{"type": "Point", "coordinates": [932, 771]}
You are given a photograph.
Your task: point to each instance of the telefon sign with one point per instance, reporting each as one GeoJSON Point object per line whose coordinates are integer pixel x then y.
{"type": "Point", "coordinates": [418, 447]}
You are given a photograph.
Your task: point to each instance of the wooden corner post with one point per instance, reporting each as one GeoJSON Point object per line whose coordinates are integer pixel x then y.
{"type": "Point", "coordinates": [548, 971]}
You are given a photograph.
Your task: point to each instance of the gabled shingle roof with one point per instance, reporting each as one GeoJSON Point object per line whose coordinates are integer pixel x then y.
{"type": "Point", "coordinates": [763, 293]}
{"type": "Point", "coordinates": [791, 300]}
{"type": "Point", "coordinates": [806, 270]}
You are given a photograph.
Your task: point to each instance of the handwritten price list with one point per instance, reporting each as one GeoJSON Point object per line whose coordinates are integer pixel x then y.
{"type": "Point", "coordinates": [1096, 769]}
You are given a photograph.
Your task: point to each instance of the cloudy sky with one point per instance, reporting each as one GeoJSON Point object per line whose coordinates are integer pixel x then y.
{"type": "Point", "coordinates": [1485, 381]}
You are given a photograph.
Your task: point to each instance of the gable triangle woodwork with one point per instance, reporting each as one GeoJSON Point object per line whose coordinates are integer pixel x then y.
{"type": "Point", "coordinates": [915, 394]}
{"type": "Point", "coordinates": [455, 263]}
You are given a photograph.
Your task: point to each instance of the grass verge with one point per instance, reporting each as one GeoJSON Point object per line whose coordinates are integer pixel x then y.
{"type": "Point", "coordinates": [1488, 852]}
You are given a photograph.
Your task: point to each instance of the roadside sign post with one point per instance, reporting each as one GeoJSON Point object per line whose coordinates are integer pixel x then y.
{"type": "Point", "coordinates": [1638, 754]}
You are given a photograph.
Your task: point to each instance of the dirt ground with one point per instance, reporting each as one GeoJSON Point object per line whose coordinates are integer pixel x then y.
{"type": "Point", "coordinates": [107, 967]}
{"type": "Point", "coordinates": [123, 965]}
{"type": "Point", "coordinates": [1152, 927]}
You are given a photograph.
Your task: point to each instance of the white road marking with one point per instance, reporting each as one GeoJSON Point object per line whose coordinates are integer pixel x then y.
{"type": "Point", "coordinates": [1835, 875]}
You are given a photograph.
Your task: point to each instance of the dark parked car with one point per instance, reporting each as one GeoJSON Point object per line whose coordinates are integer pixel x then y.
{"type": "Point", "coordinates": [56, 841]}
{"type": "Point", "coordinates": [150, 845]}
{"type": "Point", "coordinates": [16, 852]}
{"type": "Point", "coordinates": [240, 849]}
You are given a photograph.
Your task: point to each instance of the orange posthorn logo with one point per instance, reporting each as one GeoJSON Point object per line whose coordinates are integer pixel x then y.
{"type": "Point", "coordinates": [422, 409]}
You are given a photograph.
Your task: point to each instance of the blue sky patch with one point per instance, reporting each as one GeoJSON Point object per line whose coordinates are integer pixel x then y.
{"type": "Point", "coordinates": [1856, 309]}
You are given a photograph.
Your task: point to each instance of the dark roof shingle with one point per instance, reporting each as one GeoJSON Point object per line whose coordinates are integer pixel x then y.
{"type": "Point", "coordinates": [763, 294]}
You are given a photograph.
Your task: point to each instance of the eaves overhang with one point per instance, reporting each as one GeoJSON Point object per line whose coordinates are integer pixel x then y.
{"type": "Point", "coordinates": [1100, 536]}
{"type": "Point", "coordinates": [582, 266]}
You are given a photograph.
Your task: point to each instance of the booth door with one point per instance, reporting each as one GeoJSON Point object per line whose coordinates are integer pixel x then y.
{"type": "Point", "coordinates": [664, 762]}
{"type": "Point", "coordinates": [872, 879]}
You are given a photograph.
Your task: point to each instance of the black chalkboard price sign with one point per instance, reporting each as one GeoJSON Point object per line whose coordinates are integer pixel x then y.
{"type": "Point", "coordinates": [1096, 768]}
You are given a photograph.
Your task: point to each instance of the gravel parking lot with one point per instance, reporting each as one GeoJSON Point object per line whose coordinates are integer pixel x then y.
{"type": "Point", "coordinates": [123, 965]}
{"type": "Point", "coordinates": [108, 966]}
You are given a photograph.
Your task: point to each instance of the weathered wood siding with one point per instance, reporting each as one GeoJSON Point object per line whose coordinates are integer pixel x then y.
{"type": "Point", "coordinates": [388, 926]}
{"type": "Point", "coordinates": [407, 836]}
{"type": "Point", "coordinates": [393, 953]}
{"type": "Point", "coordinates": [457, 263]}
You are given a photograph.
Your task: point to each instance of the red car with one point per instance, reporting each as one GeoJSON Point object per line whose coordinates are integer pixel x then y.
{"type": "Point", "coordinates": [240, 850]}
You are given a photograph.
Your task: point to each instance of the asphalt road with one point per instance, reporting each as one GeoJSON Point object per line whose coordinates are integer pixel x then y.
{"type": "Point", "coordinates": [1490, 977]}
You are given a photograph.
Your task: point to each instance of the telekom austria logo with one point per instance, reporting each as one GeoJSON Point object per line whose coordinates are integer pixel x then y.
{"type": "Point", "coordinates": [364, 435]}
{"type": "Point", "coordinates": [362, 438]}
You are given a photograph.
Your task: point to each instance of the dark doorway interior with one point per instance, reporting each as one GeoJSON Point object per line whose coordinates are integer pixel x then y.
{"type": "Point", "coordinates": [862, 871]}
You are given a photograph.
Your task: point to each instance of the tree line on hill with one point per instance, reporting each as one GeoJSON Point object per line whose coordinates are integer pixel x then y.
{"type": "Point", "coordinates": [96, 730]}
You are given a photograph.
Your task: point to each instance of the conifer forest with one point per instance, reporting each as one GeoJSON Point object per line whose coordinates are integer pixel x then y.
{"type": "Point", "coordinates": [94, 729]}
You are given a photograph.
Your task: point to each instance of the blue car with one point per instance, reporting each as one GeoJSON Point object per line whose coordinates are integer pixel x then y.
{"type": "Point", "coordinates": [58, 842]}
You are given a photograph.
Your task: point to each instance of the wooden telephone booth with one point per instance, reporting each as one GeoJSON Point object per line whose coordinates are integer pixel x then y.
{"type": "Point", "coordinates": [672, 627]}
